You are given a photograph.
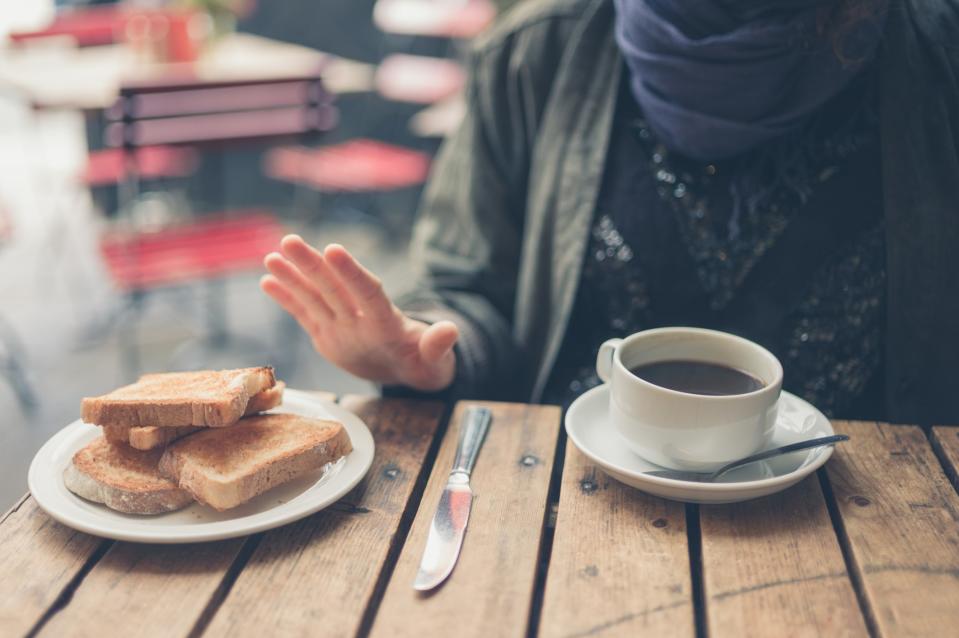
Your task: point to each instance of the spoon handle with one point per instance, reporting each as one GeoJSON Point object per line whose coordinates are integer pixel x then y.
{"type": "Point", "coordinates": [786, 449]}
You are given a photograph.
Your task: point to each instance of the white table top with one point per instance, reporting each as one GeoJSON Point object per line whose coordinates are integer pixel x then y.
{"type": "Point", "coordinates": [437, 18]}
{"type": "Point", "coordinates": [90, 78]}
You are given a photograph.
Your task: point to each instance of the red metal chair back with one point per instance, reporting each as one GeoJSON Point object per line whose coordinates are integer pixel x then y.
{"type": "Point", "coordinates": [184, 111]}
{"type": "Point", "coordinates": [357, 166]}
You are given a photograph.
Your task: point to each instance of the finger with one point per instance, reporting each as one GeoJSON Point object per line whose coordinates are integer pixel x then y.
{"type": "Point", "coordinates": [318, 272]}
{"type": "Point", "coordinates": [282, 295]}
{"type": "Point", "coordinates": [300, 287]}
{"type": "Point", "coordinates": [438, 340]}
{"type": "Point", "coordinates": [366, 288]}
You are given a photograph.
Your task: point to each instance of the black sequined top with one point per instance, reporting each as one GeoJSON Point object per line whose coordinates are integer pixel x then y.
{"type": "Point", "coordinates": [783, 246]}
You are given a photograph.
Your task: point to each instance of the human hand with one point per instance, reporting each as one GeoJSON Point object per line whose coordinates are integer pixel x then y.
{"type": "Point", "coordinates": [351, 321]}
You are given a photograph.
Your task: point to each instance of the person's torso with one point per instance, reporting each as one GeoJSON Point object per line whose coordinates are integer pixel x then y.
{"type": "Point", "coordinates": [783, 246]}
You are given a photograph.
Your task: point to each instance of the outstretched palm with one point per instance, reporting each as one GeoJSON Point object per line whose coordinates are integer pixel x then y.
{"type": "Point", "coordinates": [352, 322]}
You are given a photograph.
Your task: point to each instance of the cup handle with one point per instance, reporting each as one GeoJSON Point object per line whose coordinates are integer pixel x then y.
{"type": "Point", "coordinates": [604, 360]}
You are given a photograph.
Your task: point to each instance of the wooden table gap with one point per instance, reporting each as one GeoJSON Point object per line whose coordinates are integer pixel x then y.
{"type": "Point", "coordinates": [239, 562]}
{"type": "Point", "coordinates": [298, 574]}
{"type": "Point", "coordinates": [406, 521]}
{"type": "Point", "coordinates": [775, 562]}
{"type": "Point", "coordinates": [619, 565]}
{"type": "Point", "coordinates": [16, 507]}
{"type": "Point", "coordinates": [945, 444]}
{"type": "Point", "coordinates": [546, 535]}
{"type": "Point", "coordinates": [223, 590]}
{"type": "Point", "coordinates": [847, 556]}
{"type": "Point", "coordinates": [495, 571]}
{"type": "Point", "coordinates": [43, 563]}
{"type": "Point", "coordinates": [63, 599]}
{"type": "Point", "coordinates": [694, 543]}
{"type": "Point", "coordinates": [899, 512]}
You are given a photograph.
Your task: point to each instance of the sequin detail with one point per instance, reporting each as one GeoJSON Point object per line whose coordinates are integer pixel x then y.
{"type": "Point", "coordinates": [625, 292]}
{"type": "Point", "coordinates": [835, 342]}
{"type": "Point", "coordinates": [764, 190]}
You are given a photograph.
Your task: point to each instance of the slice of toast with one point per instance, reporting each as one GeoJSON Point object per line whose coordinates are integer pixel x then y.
{"type": "Point", "coordinates": [227, 467]}
{"type": "Point", "coordinates": [123, 479]}
{"type": "Point", "coordinates": [176, 399]}
{"type": "Point", "coordinates": [151, 436]}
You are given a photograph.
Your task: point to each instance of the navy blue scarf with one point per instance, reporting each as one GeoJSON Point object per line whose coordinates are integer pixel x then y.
{"type": "Point", "coordinates": [716, 78]}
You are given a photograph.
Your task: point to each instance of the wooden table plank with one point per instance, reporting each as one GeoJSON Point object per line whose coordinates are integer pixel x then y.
{"type": "Point", "coordinates": [945, 440]}
{"type": "Point", "coordinates": [133, 589]}
{"type": "Point", "coordinates": [146, 590]}
{"type": "Point", "coordinates": [900, 515]}
{"type": "Point", "coordinates": [491, 589]}
{"type": "Point", "coordinates": [776, 562]}
{"type": "Point", "coordinates": [40, 558]}
{"type": "Point", "coordinates": [620, 561]}
{"type": "Point", "coordinates": [319, 575]}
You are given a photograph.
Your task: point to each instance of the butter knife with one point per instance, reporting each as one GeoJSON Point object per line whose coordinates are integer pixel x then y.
{"type": "Point", "coordinates": [449, 523]}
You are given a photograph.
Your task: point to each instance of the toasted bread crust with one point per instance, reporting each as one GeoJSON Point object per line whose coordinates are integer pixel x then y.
{"type": "Point", "coordinates": [177, 399]}
{"type": "Point", "coordinates": [123, 479]}
{"type": "Point", "coordinates": [151, 436]}
{"type": "Point", "coordinates": [266, 400]}
{"type": "Point", "coordinates": [224, 469]}
{"type": "Point", "coordinates": [117, 434]}
{"type": "Point", "coordinates": [146, 438]}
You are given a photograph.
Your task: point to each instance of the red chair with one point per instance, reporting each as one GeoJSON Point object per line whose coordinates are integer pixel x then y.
{"type": "Point", "coordinates": [152, 122]}
{"type": "Point", "coordinates": [155, 127]}
{"type": "Point", "coordinates": [356, 166]}
{"type": "Point", "coordinates": [356, 174]}
{"type": "Point", "coordinates": [108, 167]}
{"type": "Point", "coordinates": [211, 247]}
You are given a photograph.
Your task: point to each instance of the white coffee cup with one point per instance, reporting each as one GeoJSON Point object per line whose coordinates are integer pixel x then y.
{"type": "Point", "coordinates": [684, 431]}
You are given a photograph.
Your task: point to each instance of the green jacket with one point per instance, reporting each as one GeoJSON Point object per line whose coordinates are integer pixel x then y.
{"type": "Point", "coordinates": [505, 218]}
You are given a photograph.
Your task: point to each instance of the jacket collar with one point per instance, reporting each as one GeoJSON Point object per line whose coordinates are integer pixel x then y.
{"type": "Point", "coordinates": [571, 149]}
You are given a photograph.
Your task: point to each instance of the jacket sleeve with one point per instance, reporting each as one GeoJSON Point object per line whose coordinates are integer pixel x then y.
{"type": "Point", "coordinates": [466, 243]}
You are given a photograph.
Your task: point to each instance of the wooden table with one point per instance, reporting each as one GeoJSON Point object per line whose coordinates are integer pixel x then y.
{"type": "Point", "coordinates": [89, 79]}
{"type": "Point", "coordinates": [870, 546]}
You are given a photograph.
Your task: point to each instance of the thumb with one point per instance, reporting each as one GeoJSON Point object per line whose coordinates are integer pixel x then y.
{"type": "Point", "coordinates": [437, 340]}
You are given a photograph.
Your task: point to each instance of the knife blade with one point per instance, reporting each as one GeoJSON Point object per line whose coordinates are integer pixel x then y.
{"type": "Point", "coordinates": [449, 522]}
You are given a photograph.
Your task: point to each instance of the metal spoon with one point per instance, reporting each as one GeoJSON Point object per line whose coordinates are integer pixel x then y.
{"type": "Point", "coordinates": [709, 477]}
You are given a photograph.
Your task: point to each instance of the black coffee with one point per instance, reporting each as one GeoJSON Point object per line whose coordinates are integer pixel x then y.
{"type": "Point", "coordinates": [697, 377]}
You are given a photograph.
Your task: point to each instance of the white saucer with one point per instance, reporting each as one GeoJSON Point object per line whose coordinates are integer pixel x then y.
{"type": "Point", "coordinates": [279, 506]}
{"type": "Point", "coordinates": [589, 428]}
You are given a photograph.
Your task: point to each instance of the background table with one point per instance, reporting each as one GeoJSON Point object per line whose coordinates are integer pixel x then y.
{"type": "Point", "coordinates": [869, 546]}
{"type": "Point", "coordinates": [90, 78]}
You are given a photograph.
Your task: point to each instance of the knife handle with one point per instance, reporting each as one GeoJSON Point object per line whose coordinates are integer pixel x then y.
{"type": "Point", "coordinates": [473, 428]}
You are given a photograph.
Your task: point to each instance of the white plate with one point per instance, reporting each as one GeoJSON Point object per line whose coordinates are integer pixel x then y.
{"type": "Point", "coordinates": [588, 427]}
{"type": "Point", "coordinates": [279, 506]}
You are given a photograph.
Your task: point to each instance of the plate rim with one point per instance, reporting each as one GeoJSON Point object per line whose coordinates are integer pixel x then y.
{"type": "Point", "coordinates": [784, 480]}
{"type": "Point", "coordinates": [36, 473]}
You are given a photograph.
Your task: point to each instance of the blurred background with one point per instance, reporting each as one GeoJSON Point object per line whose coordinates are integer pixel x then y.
{"type": "Point", "coordinates": [151, 153]}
